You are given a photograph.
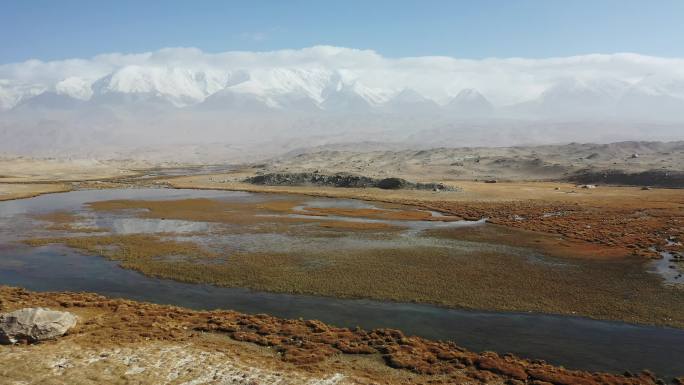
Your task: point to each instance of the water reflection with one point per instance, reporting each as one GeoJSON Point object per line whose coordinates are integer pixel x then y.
{"type": "Point", "coordinates": [571, 341]}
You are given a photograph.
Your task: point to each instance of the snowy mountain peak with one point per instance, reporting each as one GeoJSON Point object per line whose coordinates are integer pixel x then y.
{"type": "Point", "coordinates": [180, 86]}
{"type": "Point", "coordinates": [409, 101]}
{"type": "Point", "coordinates": [469, 94]}
{"type": "Point", "coordinates": [275, 82]}
{"type": "Point", "coordinates": [351, 96]}
{"type": "Point", "coordinates": [657, 84]}
{"type": "Point", "coordinates": [585, 88]}
{"type": "Point", "coordinates": [470, 103]}
{"type": "Point", "coordinates": [408, 95]}
{"type": "Point", "coordinates": [12, 93]}
{"type": "Point", "coordinates": [74, 87]}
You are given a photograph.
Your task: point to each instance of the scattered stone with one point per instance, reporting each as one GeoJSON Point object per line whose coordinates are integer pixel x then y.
{"type": "Point", "coordinates": [34, 325]}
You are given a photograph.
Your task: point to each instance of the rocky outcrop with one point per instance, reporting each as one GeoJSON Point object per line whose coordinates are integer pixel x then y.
{"type": "Point", "coordinates": [656, 178]}
{"type": "Point", "coordinates": [342, 180]}
{"type": "Point", "coordinates": [34, 325]}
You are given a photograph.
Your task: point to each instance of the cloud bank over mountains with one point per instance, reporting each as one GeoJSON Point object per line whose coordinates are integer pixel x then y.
{"type": "Point", "coordinates": [326, 91]}
{"type": "Point", "coordinates": [188, 76]}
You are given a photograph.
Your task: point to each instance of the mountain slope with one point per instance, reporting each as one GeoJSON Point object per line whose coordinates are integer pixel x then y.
{"type": "Point", "coordinates": [469, 103]}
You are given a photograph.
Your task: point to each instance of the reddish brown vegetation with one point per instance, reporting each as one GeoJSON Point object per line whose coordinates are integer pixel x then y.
{"type": "Point", "coordinates": [302, 342]}
{"type": "Point", "coordinates": [633, 228]}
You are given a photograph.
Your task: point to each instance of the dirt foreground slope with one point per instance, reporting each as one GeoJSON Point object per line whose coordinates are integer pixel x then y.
{"type": "Point", "coordinates": [124, 342]}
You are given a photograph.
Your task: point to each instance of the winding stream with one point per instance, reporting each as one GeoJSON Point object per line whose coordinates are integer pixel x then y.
{"type": "Point", "coordinates": [574, 342]}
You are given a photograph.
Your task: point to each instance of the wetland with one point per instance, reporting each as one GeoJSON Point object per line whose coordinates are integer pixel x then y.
{"type": "Point", "coordinates": [350, 262]}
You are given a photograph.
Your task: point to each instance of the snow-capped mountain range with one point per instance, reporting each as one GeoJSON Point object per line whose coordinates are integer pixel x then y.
{"type": "Point", "coordinates": [333, 79]}
{"type": "Point", "coordinates": [318, 90]}
{"type": "Point", "coordinates": [181, 94]}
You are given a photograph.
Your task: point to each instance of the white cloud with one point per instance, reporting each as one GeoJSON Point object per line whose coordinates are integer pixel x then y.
{"type": "Point", "coordinates": [74, 87]}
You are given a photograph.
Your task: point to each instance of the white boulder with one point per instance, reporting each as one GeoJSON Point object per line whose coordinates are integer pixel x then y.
{"type": "Point", "coordinates": [34, 324]}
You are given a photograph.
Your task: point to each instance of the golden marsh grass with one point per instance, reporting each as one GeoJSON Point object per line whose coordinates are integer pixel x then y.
{"type": "Point", "coordinates": [493, 279]}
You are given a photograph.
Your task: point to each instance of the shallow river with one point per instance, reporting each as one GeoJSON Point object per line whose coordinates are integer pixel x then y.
{"type": "Point", "coordinates": [574, 342]}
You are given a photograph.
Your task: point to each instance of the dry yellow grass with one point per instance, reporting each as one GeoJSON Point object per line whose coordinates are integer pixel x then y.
{"type": "Point", "coordinates": [10, 191]}
{"type": "Point", "coordinates": [32, 170]}
{"type": "Point", "coordinates": [494, 277]}
{"type": "Point", "coordinates": [145, 253]}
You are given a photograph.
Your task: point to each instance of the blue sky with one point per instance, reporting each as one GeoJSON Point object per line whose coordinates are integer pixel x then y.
{"type": "Point", "coordinates": [50, 30]}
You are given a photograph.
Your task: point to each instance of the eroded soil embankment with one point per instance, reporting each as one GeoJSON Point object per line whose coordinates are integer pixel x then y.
{"type": "Point", "coordinates": [308, 344]}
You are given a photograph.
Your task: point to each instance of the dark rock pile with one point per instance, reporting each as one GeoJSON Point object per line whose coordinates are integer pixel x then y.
{"type": "Point", "coordinates": [342, 180]}
{"type": "Point", "coordinates": [656, 178]}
